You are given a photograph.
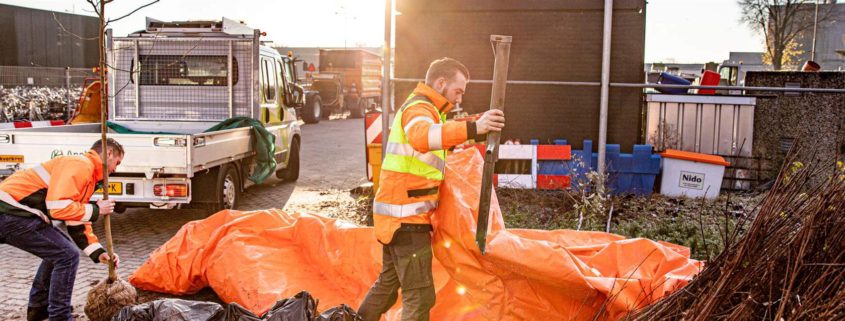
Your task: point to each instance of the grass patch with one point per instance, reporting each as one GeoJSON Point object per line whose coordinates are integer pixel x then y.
{"type": "Point", "coordinates": [700, 225]}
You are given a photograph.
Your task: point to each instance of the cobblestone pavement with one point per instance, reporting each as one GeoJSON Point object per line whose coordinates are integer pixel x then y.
{"type": "Point", "coordinates": [332, 164]}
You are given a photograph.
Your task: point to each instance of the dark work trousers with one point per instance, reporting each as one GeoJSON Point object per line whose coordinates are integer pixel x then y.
{"type": "Point", "coordinates": [53, 283]}
{"type": "Point", "coordinates": [406, 264]}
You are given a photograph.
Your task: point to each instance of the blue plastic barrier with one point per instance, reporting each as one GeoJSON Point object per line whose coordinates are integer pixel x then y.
{"type": "Point", "coordinates": [633, 173]}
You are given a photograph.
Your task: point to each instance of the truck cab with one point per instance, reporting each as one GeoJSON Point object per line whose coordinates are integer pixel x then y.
{"type": "Point", "coordinates": [308, 104]}
{"type": "Point", "coordinates": [730, 74]}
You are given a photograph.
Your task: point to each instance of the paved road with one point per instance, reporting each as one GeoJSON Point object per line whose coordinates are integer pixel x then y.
{"type": "Point", "coordinates": [332, 164]}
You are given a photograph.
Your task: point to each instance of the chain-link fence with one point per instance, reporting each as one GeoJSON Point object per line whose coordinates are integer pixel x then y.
{"type": "Point", "coordinates": [40, 93]}
{"type": "Point", "coordinates": [11, 76]}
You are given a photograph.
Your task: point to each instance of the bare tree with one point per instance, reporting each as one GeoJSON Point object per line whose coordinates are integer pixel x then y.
{"type": "Point", "coordinates": [783, 23]}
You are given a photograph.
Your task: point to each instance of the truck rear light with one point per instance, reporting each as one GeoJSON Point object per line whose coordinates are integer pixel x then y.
{"type": "Point", "coordinates": [169, 142]}
{"type": "Point", "coordinates": [130, 188]}
{"type": "Point", "coordinates": [171, 190]}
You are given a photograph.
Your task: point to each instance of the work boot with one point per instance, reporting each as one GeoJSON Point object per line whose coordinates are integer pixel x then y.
{"type": "Point", "coordinates": [37, 314]}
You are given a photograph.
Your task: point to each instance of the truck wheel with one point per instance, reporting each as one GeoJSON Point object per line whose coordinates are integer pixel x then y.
{"type": "Point", "coordinates": [312, 112]}
{"type": "Point", "coordinates": [358, 109]}
{"type": "Point", "coordinates": [228, 189]}
{"type": "Point", "coordinates": [327, 112]}
{"type": "Point", "coordinates": [291, 172]}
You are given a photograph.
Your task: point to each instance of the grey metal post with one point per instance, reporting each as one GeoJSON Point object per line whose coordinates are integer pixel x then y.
{"type": "Point", "coordinates": [135, 74]}
{"type": "Point", "coordinates": [641, 85]}
{"type": "Point", "coordinates": [255, 108]}
{"type": "Point", "coordinates": [605, 84]}
{"type": "Point", "coordinates": [815, 29]}
{"type": "Point", "coordinates": [385, 79]}
{"type": "Point", "coordinates": [229, 71]}
{"type": "Point", "coordinates": [67, 93]}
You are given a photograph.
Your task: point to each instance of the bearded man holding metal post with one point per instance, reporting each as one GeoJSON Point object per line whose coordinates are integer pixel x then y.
{"type": "Point", "coordinates": [411, 173]}
{"type": "Point", "coordinates": [60, 190]}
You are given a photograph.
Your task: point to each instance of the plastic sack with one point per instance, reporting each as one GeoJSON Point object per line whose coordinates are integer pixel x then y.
{"type": "Point", "coordinates": [255, 258]}
{"type": "Point", "coordinates": [340, 313]}
{"type": "Point", "coordinates": [300, 307]}
{"type": "Point", "coordinates": [172, 310]}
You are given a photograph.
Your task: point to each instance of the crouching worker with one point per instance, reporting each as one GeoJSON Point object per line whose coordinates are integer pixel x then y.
{"type": "Point", "coordinates": [59, 190]}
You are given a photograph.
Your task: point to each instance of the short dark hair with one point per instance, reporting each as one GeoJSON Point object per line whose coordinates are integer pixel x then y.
{"type": "Point", "coordinates": [112, 144]}
{"type": "Point", "coordinates": [445, 68]}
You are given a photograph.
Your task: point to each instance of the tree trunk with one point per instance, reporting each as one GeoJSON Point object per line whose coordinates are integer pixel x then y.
{"type": "Point", "coordinates": [777, 56]}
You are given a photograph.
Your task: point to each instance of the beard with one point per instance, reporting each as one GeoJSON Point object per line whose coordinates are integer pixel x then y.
{"type": "Point", "coordinates": [442, 92]}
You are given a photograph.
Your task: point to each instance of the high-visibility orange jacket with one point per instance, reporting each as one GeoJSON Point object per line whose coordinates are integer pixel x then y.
{"type": "Point", "coordinates": [58, 189]}
{"type": "Point", "coordinates": [409, 190]}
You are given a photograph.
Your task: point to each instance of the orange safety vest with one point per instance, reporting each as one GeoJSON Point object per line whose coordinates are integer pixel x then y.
{"type": "Point", "coordinates": [415, 162]}
{"type": "Point", "coordinates": [58, 189]}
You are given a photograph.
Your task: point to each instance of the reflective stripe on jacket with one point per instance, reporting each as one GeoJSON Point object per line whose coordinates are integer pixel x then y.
{"type": "Point", "coordinates": [58, 189]}
{"type": "Point", "coordinates": [415, 161]}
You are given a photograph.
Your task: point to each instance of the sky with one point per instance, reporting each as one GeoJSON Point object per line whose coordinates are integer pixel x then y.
{"type": "Point", "coordinates": [690, 31]}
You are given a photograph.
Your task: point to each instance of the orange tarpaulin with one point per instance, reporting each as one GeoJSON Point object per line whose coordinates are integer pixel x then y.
{"type": "Point", "coordinates": [256, 258]}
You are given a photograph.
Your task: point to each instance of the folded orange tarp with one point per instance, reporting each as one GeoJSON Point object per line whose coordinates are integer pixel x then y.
{"type": "Point", "coordinates": [256, 258]}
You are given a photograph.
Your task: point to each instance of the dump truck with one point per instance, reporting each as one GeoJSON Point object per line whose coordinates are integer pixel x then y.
{"type": "Point", "coordinates": [348, 79]}
{"type": "Point", "coordinates": [168, 85]}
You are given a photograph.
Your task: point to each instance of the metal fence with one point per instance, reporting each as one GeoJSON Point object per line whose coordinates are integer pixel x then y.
{"type": "Point", "coordinates": [187, 79]}
{"type": "Point", "coordinates": [40, 93]}
{"type": "Point", "coordinates": [12, 76]}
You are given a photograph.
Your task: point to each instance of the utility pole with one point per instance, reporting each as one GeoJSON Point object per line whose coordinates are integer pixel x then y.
{"type": "Point", "coordinates": [605, 87]}
{"type": "Point", "coordinates": [815, 29]}
{"type": "Point", "coordinates": [385, 80]}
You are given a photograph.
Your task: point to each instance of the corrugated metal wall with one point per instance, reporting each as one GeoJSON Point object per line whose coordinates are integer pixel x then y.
{"type": "Point", "coordinates": [31, 37]}
{"type": "Point", "coordinates": [555, 40]}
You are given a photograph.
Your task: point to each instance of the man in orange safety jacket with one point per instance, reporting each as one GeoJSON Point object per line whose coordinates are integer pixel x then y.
{"type": "Point", "coordinates": [57, 190]}
{"type": "Point", "coordinates": [411, 173]}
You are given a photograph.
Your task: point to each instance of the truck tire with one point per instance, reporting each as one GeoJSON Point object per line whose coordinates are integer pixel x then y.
{"type": "Point", "coordinates": [228, 191]}
{"type": "Point", "coordinates": [327, 111]}
{"type": "Point", "coordinates": [291, 172]}
{"type": "Point", "coordinates": [312, 112]}
{"type": "Point", "coordinates": [358, 109]}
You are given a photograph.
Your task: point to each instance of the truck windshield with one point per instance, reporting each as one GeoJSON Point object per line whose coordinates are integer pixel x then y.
{"type": "Point", "coordinates": [729, 74]}
{"type": "Point", "coordinates": [176, 70]}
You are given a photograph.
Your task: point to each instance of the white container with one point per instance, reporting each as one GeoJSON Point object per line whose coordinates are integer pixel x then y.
{"type": "Point", "coordinates": [692, 174]}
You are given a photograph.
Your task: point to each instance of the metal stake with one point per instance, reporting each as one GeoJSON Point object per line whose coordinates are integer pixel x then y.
{"type": "Point", "coordinates": [502, 46]}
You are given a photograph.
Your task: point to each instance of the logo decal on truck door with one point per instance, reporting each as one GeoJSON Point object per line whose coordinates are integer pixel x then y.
{"type": "Point", "coordinates": [59, 152]}
{"type": "Point", "coordinates": [692, 180]}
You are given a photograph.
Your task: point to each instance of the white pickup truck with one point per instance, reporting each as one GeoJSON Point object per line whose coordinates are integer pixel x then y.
{"type": "Point", "coordinates": [168, 84]}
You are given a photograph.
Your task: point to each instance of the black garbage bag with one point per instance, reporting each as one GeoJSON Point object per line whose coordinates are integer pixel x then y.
{"type": "Point", "coordinates": [235, 312]}
{"type": "Point", "coordinates": [172, 310]}
{"type": "Point", "coordinates": [340, 313]}
{"type": "Point", "coordinates": [300, 307]}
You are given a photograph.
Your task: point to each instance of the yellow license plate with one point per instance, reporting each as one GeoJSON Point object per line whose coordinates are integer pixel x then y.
{"type": "Point", "coordinates": [115, 188]}
{"type": "Point", "coordinates": [11, 158]}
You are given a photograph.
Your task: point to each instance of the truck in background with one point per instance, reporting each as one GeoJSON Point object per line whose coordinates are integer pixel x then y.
{"type": "Point", "coordinates": [732, 71]}
{"type": "Point", "coordinates": [348, 79]}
